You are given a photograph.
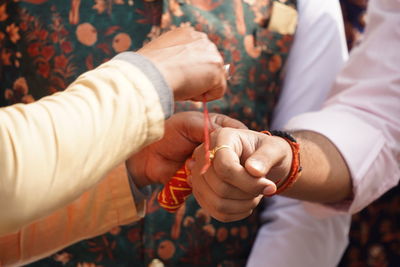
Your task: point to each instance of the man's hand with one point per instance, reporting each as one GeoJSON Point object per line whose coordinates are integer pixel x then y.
{"type": "Point", "coordinates": [190, 63]}
{"type": "Point", "coordinates": [241, 174]}
{"type": "Point", "coordinates": [183, 133]}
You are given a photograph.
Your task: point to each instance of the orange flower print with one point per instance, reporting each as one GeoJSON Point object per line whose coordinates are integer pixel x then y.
{"type": "Point", "coordinates": [86, 34]}
{"type": "Point", "coordinates": [63, 257]}
{"type": "Point", "coordinates": [54, 37]}
{"type": "Point", "coordinates": [166, 249]}
{"type": "Point", "coordinates": [222, 234]}
{"type": "Point", "coordinates": [44, 69]}
{"type": "Point", "coordinates": [66, 47]}
{"type": "Point", "coordinates": [244, 232]}
{"type": "Point", "coordinates": [234, 231]}
{"type": "Point", "coordinates": [209, 229]}
{"type": "Point", "coordinates": [115, 230]}
{"type": "Point", "coordinates": [42, 34]}
{"type": "Point", "coordinates": [134, 235]}
{"type": "Point", "coordinates": [236, 55]}
{"type": "Point", "coordinates": [250, 46]}
{"type": "Point", "coordinates": [60, 62]}
{"type": "Point", "coordinates": [3, 13]}
{"type": "Point", "coordinates": [188, 221]}
{"type": "Point", "coordinates": [5, 57]}
{"type": "Point", "coordinates": [23, 26]}
{"type": "Point", "coordinates": [34, 49]}
{"type": "Point", "coordinates": [12, 31]}
{"type": "Point", "coordinates": [48, 52]}
{"type": "Point", "coordinates": [203, 216]}
{"type": "Point", "coordinates": [275, 63]}
{"type": "Point", "coordinates": [19, 93]}
{"type": "Point", "coordinates": [100, 6]}
{"type": "Point", "coordinates": [121, 42]}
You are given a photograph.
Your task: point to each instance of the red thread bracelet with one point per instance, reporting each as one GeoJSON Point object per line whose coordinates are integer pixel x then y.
{"type": "Point", "coordinates": [295, 168]}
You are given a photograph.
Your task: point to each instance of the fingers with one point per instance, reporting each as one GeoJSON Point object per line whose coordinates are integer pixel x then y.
{"type": "Point", "coordinates": [227, 168]}
{"type": "Point", "coordinates": [190, 64]}
{"type": "Point", "coordinates": [272, 157]}
{"type": "Point", "coordinates": [227, 191]}
{"type": "Point", "coordinates": [220, 120]}
{"type": "Point", "coordinates": [190, 124]}
{"type": "Point", "coordinates": [224, 202]}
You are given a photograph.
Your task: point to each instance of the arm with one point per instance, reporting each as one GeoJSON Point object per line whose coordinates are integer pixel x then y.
{"type": "Point", "coordinates": [106, 205]}
{"type": "Point", "coordinates": [54, 150]}
{"type": "Point", "coordinates": [364, 104]}
{"type": "Point", "coordinates": [319, 49]}
{"type": "Point", "coordinates": [361, 117]}
{"type": "Point", "coordinates": [59, 147]}
{"type": "Point", "coordinates": [110, 202]}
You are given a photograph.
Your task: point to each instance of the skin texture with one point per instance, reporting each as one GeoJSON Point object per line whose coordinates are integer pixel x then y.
{"type": "Point", "coordinates": [190, 63]}
{"type": "Point", "coordinates": [183, 133]}
{"type": "Point", "coordinates": [241, 174]}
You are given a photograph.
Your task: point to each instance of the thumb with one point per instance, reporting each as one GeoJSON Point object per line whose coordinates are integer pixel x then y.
{"type": "Point", "coordinates": [257, 164]}
{"type": "Point", "coordinates": [220, 120]}
{"type": "Point", "coordinates": [266, 156]}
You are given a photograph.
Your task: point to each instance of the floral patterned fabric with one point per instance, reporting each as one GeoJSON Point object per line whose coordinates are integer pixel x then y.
{"type": "Point", "coordinates": [46, 44]}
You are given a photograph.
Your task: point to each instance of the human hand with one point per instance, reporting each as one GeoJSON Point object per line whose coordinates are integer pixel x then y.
{"type": "Point", "coordinates": [158, 162]}
{"type": "Point", "coordinates": [240, 175]}
{"type": "Point", "coordinates": [190, 63]}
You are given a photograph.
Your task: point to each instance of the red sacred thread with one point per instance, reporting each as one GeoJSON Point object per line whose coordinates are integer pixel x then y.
{"type": "Point", "coordinates": [206, 129]}
{"type": "Point", "coordinates": [175, 192]}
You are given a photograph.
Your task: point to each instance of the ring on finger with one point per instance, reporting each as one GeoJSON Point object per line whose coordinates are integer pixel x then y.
{"type": "Point", "coordinates": [215, 149]}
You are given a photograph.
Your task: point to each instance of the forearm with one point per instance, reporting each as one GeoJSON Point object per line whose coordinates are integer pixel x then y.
{"type": "Point", "coordinates": [57, 148]}
{"type": "Point", "coordinates": [325, 177]}
{"type": "Point", "coordinates": [107, 205]}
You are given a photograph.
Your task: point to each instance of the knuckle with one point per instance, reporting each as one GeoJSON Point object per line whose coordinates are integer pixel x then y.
{"type": "Point", "coordinates": [225, 171]}
{"type": "Point", "coordinates": [220, 207]}
{"type": "Point", "coordinates": [223, 190]}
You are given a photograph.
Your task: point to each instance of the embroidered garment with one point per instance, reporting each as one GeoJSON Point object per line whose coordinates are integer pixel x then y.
{"type": "Point", "coordinates": [47, 44]}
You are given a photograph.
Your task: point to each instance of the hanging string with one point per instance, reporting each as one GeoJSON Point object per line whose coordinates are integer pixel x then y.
{"type": "Point", "coordinates": [175, 192]}
{"type": "Point", "coordinates": [206, 129]}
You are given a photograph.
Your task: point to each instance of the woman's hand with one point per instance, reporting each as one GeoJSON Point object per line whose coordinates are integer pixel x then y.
{"type": "Point", "coordinates": [190, 63]}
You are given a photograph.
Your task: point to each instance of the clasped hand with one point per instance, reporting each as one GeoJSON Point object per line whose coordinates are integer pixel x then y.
{"type": "Point", "coordinates": [241, 174]}
{"type": "Point", "coordinates": [190, 64]}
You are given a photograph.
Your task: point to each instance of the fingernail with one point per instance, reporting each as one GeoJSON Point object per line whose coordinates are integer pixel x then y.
{"type": "Point", "coordinates": [189, 164]}
{"type": "Point", "coordinates": [269, 190]}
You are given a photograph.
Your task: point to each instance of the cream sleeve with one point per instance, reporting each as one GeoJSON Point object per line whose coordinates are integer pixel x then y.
{"type": "Point", "coordinates": [57, 148]}
{"type": "Point", "coordinates": [107, 205]}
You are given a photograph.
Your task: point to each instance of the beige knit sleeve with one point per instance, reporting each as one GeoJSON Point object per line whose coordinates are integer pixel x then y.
{"type": "Point", "coordinates": [55, 149]}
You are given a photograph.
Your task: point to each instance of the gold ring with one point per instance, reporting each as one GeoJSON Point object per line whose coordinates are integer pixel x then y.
{"type": "Point", "coordinates": [215, 149]}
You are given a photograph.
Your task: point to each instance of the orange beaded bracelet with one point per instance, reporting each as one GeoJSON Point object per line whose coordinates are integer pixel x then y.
{"type": "Point", "coordinates": [295, 169]}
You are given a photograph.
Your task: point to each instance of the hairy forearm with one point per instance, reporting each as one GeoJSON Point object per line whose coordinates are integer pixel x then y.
{"type": "Point", "coordinates": [325, 177]}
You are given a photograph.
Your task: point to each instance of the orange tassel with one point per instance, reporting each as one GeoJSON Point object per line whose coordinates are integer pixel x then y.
{"type": "Point", "coordinates": [175, 192]}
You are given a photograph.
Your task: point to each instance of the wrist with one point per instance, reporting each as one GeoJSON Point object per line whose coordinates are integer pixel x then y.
{"type": "Point", "coordinates": [137, 177]}
{"type": "Point", "coordinates": [292, 166]}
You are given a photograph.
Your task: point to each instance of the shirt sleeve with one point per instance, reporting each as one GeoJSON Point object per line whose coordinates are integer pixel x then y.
{"type": "Point", "coordinates": [109, 204]}
{"type": "Point", "coordinates": [362, 115]}
{"type": "Point", "coordinates": [59, 147]}
{"type": "Point", "coordinates": [317, 55]}
{"type": "Point", "coordinates": [319, 50]}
